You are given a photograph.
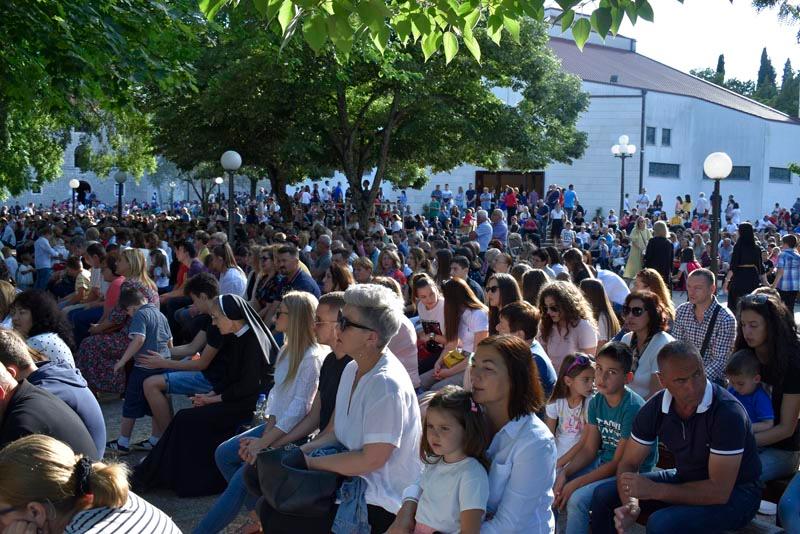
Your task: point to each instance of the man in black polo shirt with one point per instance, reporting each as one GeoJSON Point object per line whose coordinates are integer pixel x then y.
{"type": "Point", "coordinates": [714, 486]}
{"type": "Point", "coordinates": [26, 409]}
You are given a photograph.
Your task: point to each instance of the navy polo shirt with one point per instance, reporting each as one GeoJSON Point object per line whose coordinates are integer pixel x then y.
{"type": "Point", "coordinates": [719, 426]}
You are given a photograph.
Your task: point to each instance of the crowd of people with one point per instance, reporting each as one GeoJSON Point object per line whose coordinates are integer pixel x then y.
{"type": "Point", "coordinates": [483, 366]}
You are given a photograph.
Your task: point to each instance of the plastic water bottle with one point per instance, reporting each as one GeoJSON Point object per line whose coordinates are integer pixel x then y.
{"type": "Point", "coordinates": [258, 413]}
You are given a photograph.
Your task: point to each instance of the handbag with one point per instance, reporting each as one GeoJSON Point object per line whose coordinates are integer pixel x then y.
{"type": "Point", "coordinates": [289, 487]}
{"type": "Point", "coordinates": [453, 358]}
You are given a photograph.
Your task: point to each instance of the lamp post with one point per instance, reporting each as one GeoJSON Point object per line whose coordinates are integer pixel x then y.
{"type": "Point", "coordinates": [231, 161]}
{"type": "Point", "coordinates": [717, 166]}
{"type": "Point", "coordinates": [623, 150]}
{"type": "Point", "coordinates": [218, 180]}
{"type": "Point", "coordinates": [172, 186]}
{"type": "Point", "coordinates": [120, 178]}
{"type": "Point", "coordinates": [74, 184]}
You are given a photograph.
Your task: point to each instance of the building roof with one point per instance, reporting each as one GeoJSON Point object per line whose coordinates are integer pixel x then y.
{"type": "Point", "coordinates": [599, 63]}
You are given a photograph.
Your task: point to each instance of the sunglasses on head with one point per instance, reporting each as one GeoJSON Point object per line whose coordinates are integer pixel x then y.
{"type": "Point", "coordinates": [580, 361]}
{"type": "Point", "coordinates": [636, 311]}
{"type": "Point", "coordinates": [757, 298]}
{"type": "Point", "coordinates": [344, 323]}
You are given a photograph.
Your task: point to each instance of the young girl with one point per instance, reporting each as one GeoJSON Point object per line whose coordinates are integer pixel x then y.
{"type": "Point", "coordinates": [566, 414]}
{"type": "Point", "coordinates": [159, 270]}
{"type": "Point", "coordinates": [24, 274]}
{"type": "Point", "coordinates": [454, 483]}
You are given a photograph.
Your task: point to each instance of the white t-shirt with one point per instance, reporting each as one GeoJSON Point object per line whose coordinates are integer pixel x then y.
{"type": "Point", "coordinates": [434, 317]}
{"type": "Point", "coordinates": [567, 237]}
{"type": "Point", "coordinates": [570, 423]}
{"type": "Point", "coordinates": [472, 321]}
{"type": "Point", "coordinates": [305, 198]}
{"type": "Point", "coordinates": [404, 346]}
{"type": "Point", "coordinates": [615, 286]}
{"type": "Point", "coordinates": [383, 409]}
{"type": "Point", "coordinates": [448, 490]}
{"type": "Point", "coordinates": [648, 363]}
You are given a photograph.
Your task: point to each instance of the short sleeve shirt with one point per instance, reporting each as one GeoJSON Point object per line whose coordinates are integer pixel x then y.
{"type": "Point", "coordinates": [557, 345]}
{"type": "Point", "coordinates": [472, 321]}
{"type": "Point", "coordinates": [150, 323]}
{"type": "Point", "coordinates": [448, 490]}
{"type": "Point", "coordinates": [757, 404]}
{"type": "Point", "coordinates": [790, 385]}
{"type": "Point", "coordinates": [615, 423]}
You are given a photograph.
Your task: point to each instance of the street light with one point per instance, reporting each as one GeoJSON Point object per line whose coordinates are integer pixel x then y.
{"type": "Point", "coordinates": [120, 178]}
{"type": "Point", "coordinates": [623, 151]}
{"type": "Point", "coordinates": [74, 185]}
{"type": "Point", "coordinates": [218, 180]}
{"type": "Point", "coordinates": [231, 161]}
{"type": "Point", "coordinates": [717, 166]}
{"type": "Point", "coordinates": [172, 186]}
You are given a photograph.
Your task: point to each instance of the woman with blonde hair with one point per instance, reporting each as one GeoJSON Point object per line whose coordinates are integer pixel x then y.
{"type": "Point", "coordinates": [639, 238]}
{"type": "Point", "coordinates": [650, 280]}
{"type": "Point", "coordinates": [99, 352]}
{"type": "Point", "coordinates": [7, 295]}
{"type": "Point", "coordinates": [568, 323]}
{"type": "Point", "coordinates": [660, 253]}
{"type": "Point", "coordinates": [296, 381]}
{"type": "Point", "coordinates": [45, 487]}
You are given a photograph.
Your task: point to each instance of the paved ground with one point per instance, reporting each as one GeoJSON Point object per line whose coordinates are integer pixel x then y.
{"type": "Point", "coordinates": [187, 512]}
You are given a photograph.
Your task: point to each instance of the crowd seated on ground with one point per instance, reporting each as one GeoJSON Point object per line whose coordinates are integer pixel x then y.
{"type": "Point", "coordinates": [430, 374]}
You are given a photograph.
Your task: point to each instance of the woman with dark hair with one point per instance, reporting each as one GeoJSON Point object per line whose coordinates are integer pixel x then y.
{"type": "Point", "coordinates": [568, 323]}
{"type": "Point", "coordinates": [522, 452]}
{"type": "Point", "coordinates": [532, 283]}
{"type": "Point", "coordinates": [647, 320]}
{"type": "Point", "coordinates": [767, 327]}
{"type": "Point", "coordinates": [183, 458]}
{"type": "Point", "coordinates": [578, 270]}
{"type": "Point", "coordinates": [518, 272]}
{"type": "Point", "coordinates": [687, 265]}
{"type": "Point", "coordinates": [337, 278]}
{"type": "Point", "coordinates": [604, 315]}
{"type": "Point", "coordinates": [501, 289]}
{"type": "Point", "coordinates": [430, 309]}
{"type": "Point", "coordinates": [442, 264]}
{"type": "Point", "coordinates": [35, 315]}
{"type": "Point", "coordinates": [554, 261]}
{"type": "Point", "coordinates": [466, 322]}
{"type": "Point", "coordinates": [232, 280]}
{"type": "Point", "coordinates": [746, 270]}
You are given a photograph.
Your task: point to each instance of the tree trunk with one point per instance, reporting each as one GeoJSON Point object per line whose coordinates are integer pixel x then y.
{"type": "Point", "coordinates": [253, 186]}
{"type": "Point", "coordinates": [278, 186]}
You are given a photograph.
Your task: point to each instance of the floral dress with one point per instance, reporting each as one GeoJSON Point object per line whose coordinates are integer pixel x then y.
{"type": "Point", "coordinates": [98, 353]}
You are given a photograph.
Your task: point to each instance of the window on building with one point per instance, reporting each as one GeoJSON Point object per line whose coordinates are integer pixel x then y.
{"type": "Point", "coordinates": [650, 138]}
{"type": "Point", "coordinates": [666, 137]}
{"type": "Point", "coordinates": [739, 172]}
{"type": "Point", "coordinates": [665, 170]}
{"type": "Point", "coordinates": [779, 174]}
{"type": "Point", "coordinates": [36, 188]}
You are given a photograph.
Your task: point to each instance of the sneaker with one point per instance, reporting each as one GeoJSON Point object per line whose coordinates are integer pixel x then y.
{"type": "Point", "coordinates": [144, 445]}
{"type": "Point", "coordinates": [115, 449]}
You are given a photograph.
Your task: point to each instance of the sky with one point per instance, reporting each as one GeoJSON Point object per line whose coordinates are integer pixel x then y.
{"type": "Point", "coordinates": [693, 34]}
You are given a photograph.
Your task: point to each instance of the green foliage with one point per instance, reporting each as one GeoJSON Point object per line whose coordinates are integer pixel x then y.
{"type": "Point", "coordinates": [719, 77]}
{"type": "Point", "coordinates": [430, 24]}
{"type": "Point", "coordinates": [766, 88]}
{"type": "Point", "coordinates": [81, 64]}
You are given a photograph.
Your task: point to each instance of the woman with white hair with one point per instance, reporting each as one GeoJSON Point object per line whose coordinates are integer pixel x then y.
{"type": "Point", "coordinates": [376, 417]}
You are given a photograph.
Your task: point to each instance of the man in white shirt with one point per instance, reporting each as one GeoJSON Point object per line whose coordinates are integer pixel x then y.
{"type": "Point", "coordinates": [643, 202]}
{"type": "Point", "coordinates": [615, 287]}
{"type": "Point", "coordinates": [702, 204]}
{"type": "Point", "coordinates": [44, 254]}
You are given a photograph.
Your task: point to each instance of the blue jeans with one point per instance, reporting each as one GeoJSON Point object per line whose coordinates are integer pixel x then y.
{"type": "Point", "coordinates": [227, 505]}
{"type": "Point", "coordinates": [580, 502]}
{"type": "Point", "coordinates": [777, 463]}
{"type": "Point", "coordinates": [740, 509]}
{"type": "Point", "coordinates": [186, 382]}
{"type": "Point", "coordinates": [82, 319]}
{"type": "Point", "coordinates": [42, 277]}
{"type": "Point", "coordinates": [789, 507]}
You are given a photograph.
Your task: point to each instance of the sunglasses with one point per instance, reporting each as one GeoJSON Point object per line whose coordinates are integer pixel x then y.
{"type": "Point", "coordinates": [279, 313]}
{"type": "Point", "coordinates": [344, 323]}
{"type": "Point", "coordinates": [492, 289]}
{"type": "Point", "coordinates": [580, 361]}
{"type": "Point", "coordinates": [758, 298]}
{"type": "Point", "coordinates": [636, 311]}
{"type": "Point", "coordinates": [552, 309]}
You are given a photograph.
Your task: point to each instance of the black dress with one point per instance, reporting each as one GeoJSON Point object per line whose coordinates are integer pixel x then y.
{"type": "Point", "coordinates": [658, 255]}
{"type": "Point", "coordinates": [183, 459]}
{"type": "Point", "coordinates": [747, 269]}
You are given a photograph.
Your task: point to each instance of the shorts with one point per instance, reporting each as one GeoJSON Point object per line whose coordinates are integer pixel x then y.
{"type": "Point", "coordinates": [187, 382]}
{"type": "Point", "coordinates": [135, 405]}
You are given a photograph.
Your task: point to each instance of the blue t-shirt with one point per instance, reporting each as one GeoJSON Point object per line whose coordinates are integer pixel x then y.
{"type": "Point", "coordinates": [758, 404]}
{"type": "Point", "coordinates": [615, 423]}
{"type": "Point", "coordinates": [547, 373]}
{"type": "Point", "coordinates": [149, 322]}
{"type": "Point", "coordinates": [569, 199]}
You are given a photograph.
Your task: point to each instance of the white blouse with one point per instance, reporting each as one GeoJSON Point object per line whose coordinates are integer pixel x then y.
{"type": "Point", "coordinates": [233, 282]}
{"type": "Point", "coordinates": [383, 408]}
{"type": "Point", "coordinates": [289, 402]}
{"type": "Point", "coordinates": [53, 347]}
{"type": "Point", "coordinates": [648, 362]}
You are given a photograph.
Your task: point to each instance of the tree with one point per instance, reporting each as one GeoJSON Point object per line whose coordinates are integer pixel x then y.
{"type": "Point", "coordinates": [432, 24]}
{"type": "Point", "coordinates": [787, 99]}
{"type": "Point", "coordinates": [719, 77]}
{"type": "Point", "coordinates": [82, 64]}
{"type": "Point", "coordinates": [766, 88]}
{"type": "Point", "coordinates": [744, 88]}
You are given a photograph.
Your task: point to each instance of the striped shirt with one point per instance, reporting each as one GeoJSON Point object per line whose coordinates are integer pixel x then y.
{"type": "Point", "coordinates": [136, 516]}
{"type": "Point", "coordinates": [687, 328]}
{"type": "Point", "coordinates": [789, 261]}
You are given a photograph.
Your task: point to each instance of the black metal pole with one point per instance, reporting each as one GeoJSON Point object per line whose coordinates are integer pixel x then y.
{"type": "Point", "coordinates": [622, 186]}
{"type": "Point", "coordinates": [73, 202]}
{"type": "Point", "coordinates": [119, 201]}
{"type": "Point", "coordinates": [230, 208]}
{"type": "Point", "coordinates": [716, 205]}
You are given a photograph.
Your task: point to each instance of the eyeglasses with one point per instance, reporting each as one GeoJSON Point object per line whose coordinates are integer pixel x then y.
{"type": "Point", "coordinates": [581, 360]}
{"type": "Point", "coordinates": [636, 311]}
{"type": "Point", "coordinates": [492, 289]}
{"type": "Point", "coordinates": [758, 298]}
{"type": "Point", "coordinates": [344, 323]}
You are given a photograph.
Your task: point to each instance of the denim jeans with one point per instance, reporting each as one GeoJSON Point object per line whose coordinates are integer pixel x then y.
{"type": "Point", "coordinates": [82, 319]}
{"type": "Point", "coordinates": [580, 502]}
{"type": "Point", "coordinates": [227, 505]}
{"type": "Point", "coordinates": [789, 507]}
{"type": "Point", "coordinates": [42, 277]}
{"type": "Point", "coordinates": [740, 509]}
{"type": "Point", "coordinates": [777, 463]}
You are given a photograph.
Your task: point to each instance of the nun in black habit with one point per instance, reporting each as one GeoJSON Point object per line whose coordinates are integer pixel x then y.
{"type": "Point", "coordinates": [183, 459]}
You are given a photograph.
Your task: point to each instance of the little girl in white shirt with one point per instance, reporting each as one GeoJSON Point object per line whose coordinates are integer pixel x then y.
{"type": "Point", "coordinates": [566, 413]}
{"type": "Point", "coordinates": [454, 481]}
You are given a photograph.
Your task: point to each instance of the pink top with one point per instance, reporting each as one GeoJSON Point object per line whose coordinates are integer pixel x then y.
{"type": "Point", "coordinates": [557, 346]}
{"type": "Point", "coordinates": [112, 294]}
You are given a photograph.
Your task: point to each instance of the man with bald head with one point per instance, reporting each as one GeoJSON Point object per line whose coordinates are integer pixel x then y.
{"type": "Point", "coordinates": [714, 486]}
